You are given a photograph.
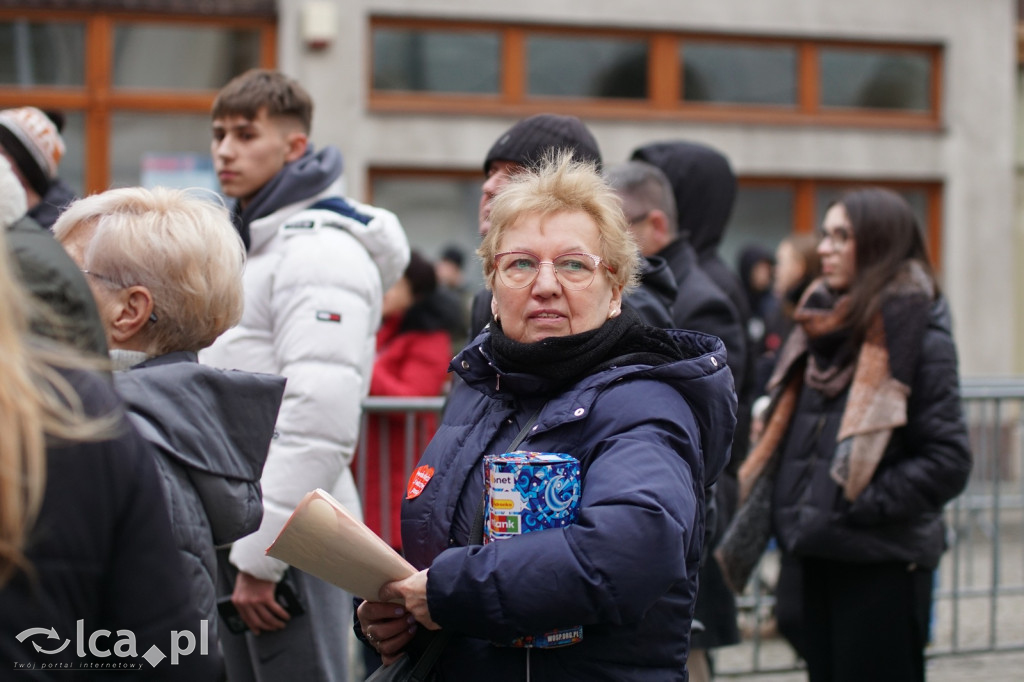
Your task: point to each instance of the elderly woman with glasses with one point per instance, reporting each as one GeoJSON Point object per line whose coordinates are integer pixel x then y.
{"type": "Point", "coordinates": [165, 267]}
{"type": "Point", "coordinates": [649, 415]}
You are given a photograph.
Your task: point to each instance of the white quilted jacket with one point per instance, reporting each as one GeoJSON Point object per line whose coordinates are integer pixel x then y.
{"type": "Point", "coordinates": [313, 287]}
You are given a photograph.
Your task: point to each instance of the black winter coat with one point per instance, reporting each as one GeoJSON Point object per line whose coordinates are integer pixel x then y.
{"type": "Point", "coordinates": [103, 554]}
{"type": "Point", "coordinates": [898, 517]}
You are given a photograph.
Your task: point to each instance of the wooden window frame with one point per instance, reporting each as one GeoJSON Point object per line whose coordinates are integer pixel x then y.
{"type": "Point", "coordinates": [664, 101]}
{"type": "Point", "coordinates": [98, 100]}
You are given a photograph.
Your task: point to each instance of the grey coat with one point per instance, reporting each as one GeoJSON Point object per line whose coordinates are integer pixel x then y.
{"type": "Point", "coordinates": [211, 429]}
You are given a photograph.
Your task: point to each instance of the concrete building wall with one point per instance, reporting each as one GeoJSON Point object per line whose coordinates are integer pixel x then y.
{"type": "Point", "coordinates": [972, 154]}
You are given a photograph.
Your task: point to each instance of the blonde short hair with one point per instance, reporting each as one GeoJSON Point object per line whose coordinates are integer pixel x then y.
{"type": "Point", "coordinates": [180, 246]}
{"type": "Point", "coordinates": [560, 185]}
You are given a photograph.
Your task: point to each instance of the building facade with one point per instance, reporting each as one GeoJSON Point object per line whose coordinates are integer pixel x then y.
{"type": "Point", "coordinates": [806, 98]}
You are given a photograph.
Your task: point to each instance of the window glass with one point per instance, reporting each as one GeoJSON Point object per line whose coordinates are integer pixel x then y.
{"type": "Point", "coordinates": [72, 165]}
{"type": "Point", "coordinates": [566, 66]}
{"type": "Point", "coordinates": [436, 61]}
{"type": "Point", "coordinates": [50, 54]}
{"type": "Point", "coordinates": [161, 149]}
{"type": "Point", "coordinates": [436, 212]}
{"type": "Point", "coordinates": [739, 74]}
{"type": "Point", "coordinates": [875, 79]}
{"type": "Point", "coordinates": [762, 215]}
{"type": "Point", "coordinates": [182, 57]}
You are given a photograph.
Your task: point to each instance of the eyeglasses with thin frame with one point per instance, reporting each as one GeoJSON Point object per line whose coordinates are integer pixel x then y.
{"type": "Point", "coordinates": [113, 282]}
{"type": "Point", "coordinates": [574, 271]}
{"type": "Point", "coordinates": [838, 236]}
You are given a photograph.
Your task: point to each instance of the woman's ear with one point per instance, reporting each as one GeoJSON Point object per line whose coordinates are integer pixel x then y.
{"type": "Point", "coordinates": [131, 314]}
{"type": "Point", "coordinates": [494, 307]}
{"type": "Point", "coordinates": [615, 305]}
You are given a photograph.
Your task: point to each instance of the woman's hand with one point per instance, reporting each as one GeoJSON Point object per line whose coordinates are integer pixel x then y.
{"type": "Point", "coordinates": [387, 627]}
{"type": "Point", "coordinates": [412, 592]}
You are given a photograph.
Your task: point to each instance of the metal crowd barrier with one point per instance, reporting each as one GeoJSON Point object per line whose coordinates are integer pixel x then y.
{"type": "Point", "coordinates": [979, 589]}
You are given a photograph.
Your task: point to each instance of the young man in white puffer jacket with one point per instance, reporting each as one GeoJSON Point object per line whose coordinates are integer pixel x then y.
{"type": "Point", "coordinates": [318, 266]}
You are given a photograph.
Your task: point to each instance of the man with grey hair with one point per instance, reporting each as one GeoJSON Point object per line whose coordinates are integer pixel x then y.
{"type": "Point", "coordinates": [700, 305]}
{"type": "Point", "coordinates": [650, 207]}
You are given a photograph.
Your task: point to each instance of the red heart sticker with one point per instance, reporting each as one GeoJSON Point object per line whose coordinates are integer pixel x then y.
{"type": "Point", "coordinates": [418, 481]}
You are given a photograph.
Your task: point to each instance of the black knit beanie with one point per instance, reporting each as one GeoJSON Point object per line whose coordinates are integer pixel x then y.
{"type": "Point", "coordinates": [530, 139]}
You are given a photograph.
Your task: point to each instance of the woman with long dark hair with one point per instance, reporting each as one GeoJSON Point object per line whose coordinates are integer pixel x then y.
{"type": "Point", "coordinates": [866, 442]}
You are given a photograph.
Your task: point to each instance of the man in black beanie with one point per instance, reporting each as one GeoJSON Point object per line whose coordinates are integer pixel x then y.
{"type": "Point", "coordinates": [524, 146]}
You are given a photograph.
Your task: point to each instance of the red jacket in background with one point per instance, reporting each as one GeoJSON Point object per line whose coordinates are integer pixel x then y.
{"type": "Point", "coordinates": [411, 361]}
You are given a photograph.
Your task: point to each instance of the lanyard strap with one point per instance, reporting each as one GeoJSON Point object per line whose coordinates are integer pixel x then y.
{"type": "Point", "coordinates": [476, 536]}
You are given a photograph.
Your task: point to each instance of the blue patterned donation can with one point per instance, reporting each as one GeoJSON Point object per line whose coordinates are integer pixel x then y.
{"type": "Point", "coordinates": [529, 491]}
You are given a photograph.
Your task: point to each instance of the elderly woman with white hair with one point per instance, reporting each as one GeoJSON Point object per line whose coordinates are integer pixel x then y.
{"type": "Point", "coordinates": [165, 267]}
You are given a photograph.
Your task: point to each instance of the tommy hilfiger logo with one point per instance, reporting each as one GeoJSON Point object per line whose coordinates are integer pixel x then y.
{"type": "Point", "coordinates": [328, 316]}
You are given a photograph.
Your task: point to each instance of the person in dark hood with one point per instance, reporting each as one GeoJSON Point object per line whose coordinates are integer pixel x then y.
{"type": "Point", "coordinates": [700, 305]}
{"type": "Point", "coordinates": [755, 265]}
{"type": "Point", "coordinates": [166, 271]}
{"type": "Point", "coordinates": [522, 147]}
{"type": "Point", "coordinates": [318, 266]}
{"type": "Point", "coordinates": [650, 209]}
{"type": "Point", "coordinates": [705, 191]}
{"type": "Point", "coordinates": [704, 186]}
{"type": "Point", "coordinates": [647, 412]}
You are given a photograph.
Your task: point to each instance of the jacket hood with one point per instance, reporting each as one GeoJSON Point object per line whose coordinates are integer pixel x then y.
{"type": "Point", "coordinates": [748, 258]}
{"type": "Point", "coordinates": [657, 277]}
{"type": "Point", "coordinates": [704, 186]}
{"type": "Point", "coordinates": [213, 421]}
{"type": "Point", "coordinates": [702, 377]}
{"type": "Point", "coordinates": [312, 173]}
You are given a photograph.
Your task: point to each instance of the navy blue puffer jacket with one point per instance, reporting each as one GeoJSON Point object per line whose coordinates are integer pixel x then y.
{"type": "Point", "coordinates": [649, 440]}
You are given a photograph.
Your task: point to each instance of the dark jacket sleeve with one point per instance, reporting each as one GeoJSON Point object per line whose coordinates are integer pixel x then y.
{"type": "Point", "coordinates": [936, 459]}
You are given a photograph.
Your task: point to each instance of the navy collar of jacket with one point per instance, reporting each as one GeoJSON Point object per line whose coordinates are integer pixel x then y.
{"type": "Point", "coordinates": [702, 377]}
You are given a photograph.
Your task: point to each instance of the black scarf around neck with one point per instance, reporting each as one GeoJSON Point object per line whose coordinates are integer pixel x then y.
{"type": "Point", "coordinates": [566, 359]}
